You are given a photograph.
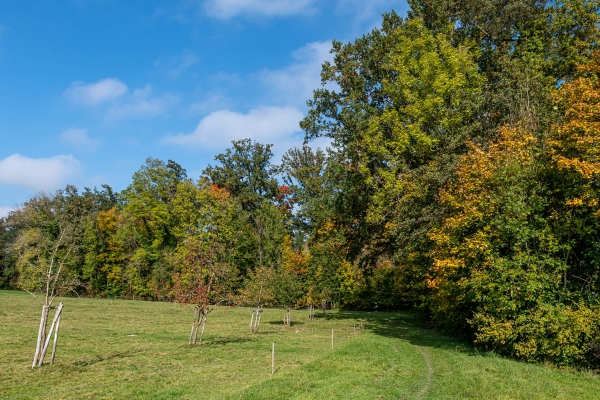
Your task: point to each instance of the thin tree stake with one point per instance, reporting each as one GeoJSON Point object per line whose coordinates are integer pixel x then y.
{"type": "Point", "coordinates": [55, 340]}
{"type": "Point", "coordinates": [38, 346]}
{"type": "Point", "coordinates": [56, 316]}
{"type": "Point", "coordinates": [193, 325]}
{"type": "Point", "coordinates": [273, 359]}
{"type": "Point", "coordinates": [203, 326]}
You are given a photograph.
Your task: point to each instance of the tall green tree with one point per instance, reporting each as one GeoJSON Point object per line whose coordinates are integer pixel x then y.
{"type": "Point", "coordinates": [302, 170]}
{"type": "Point", "coordinates": [246, 171]}
{"type": "Point", "coordinates": [149, 227]}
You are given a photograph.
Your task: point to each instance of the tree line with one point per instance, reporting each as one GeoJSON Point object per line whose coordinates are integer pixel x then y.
{"type": "Point", "coordinates": [461, 182]}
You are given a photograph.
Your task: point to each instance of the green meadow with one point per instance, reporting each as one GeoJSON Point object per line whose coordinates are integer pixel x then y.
{"type": "Point", "coordinates": [138, 350]}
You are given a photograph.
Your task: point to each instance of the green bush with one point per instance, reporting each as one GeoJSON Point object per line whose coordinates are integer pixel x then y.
{"type": "Point", "coordinates": [565, 336]}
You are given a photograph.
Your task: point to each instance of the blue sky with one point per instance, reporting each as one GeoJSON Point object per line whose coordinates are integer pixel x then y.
{"type": "Point", "coordinates": [90, 88]}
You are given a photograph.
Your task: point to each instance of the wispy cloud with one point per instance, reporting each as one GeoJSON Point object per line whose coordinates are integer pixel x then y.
{"type": "Point", "coordinates": [175, 66]}
{"type": "Point", "coordinates": [211, 103]}
{"type": "Point", "coordinates": [265, 124]}
{"type": "Point", "coordinates": [95, 93]}
{"type": "Point", "coordinates": [121, 103]}
{"type": "Point", "coordinates": [366, 15]}
{"type": "Point", "coordinates": [286, 89]}
{"type": "Point", "coordinates": [38, 173]}
{"type": "Point", "coordinates": [142, 103]}
{"type": "Point", "coordinates": [295, 83]}
{"type": "Point", "coordinates": [79, 139]}
{"type": "Point", "coordinates": [224, 9]}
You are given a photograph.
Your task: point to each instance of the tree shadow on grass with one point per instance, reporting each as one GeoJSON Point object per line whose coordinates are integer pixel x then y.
{"type": "Point", "coordinates": [293, 323]}
{"type": "Point", "coordinates": [103, 357]}
{"type": "Point", "coordinates": [414, 333]}
{"type": "Point", "coordinates": [226, 340]}
{"type": "Point", "coordinates": [406, 326]}
{"type": "Point", "coordinates": [365, 315]}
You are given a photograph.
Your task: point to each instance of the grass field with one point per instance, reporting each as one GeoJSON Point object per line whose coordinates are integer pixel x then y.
{"type": "Point", "coordinates": [393, 358]}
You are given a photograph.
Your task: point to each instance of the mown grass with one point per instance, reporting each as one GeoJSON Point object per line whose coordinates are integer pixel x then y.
{"type": "Point", "coordinates": [393, 358]}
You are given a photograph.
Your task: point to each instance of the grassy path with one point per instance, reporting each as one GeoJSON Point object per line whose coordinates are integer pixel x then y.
{"type": "Point", "coordinates": [138, 350]}
{"type": "Point", "coordinates": [427, 385]}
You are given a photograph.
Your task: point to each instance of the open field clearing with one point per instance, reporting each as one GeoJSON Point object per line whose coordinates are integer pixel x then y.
{"type": "Point", "coordinates": [139, 350]}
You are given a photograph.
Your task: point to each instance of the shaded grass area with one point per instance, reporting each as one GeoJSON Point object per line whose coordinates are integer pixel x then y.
{"type": "Point", "coordinates": [131, 349]}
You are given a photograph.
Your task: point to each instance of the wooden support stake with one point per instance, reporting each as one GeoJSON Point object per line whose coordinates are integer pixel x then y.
{"type": "Point", "coordinates": [193, 325]}
{"type": "Point", "coordinates": [273, 359]}
{"type": "Point", "coordinates": [203, 326]}
{"type": "Point", "coordinates": [55, 340]}
{"type": "Point", "coordinates": [332, 339]}
{"type": "Point", "coordinates": [198, 320]}
{"type": "Point", "coordinates": [355, 329]}
{"type": "Point", "coordinates": [257, 323]}
{"type": "Point", "coordinates": [38, 346]}
{"type": "Point", "coordinates": [56, 316]}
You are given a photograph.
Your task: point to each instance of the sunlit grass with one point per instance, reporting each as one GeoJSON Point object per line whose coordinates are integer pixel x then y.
{"type": "Point", "coordinates": [392, 358]}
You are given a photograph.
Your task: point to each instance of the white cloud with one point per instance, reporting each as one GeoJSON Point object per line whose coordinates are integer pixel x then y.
{"type": "Point", "coordinates": [224, 9]}
{"type": "Point", "coordinates": [289, 88]}
{"type": "Point", "coordinates": [295, 84]}
{"type": "Point", "coordinates": [38, 173]}
{"type": "Point", "coordinates": [95, 93]}
{"type": "Point", "coordinates": [4, 211]}
{"type": "Point", "coordinates": [79, 139]}
{"type": "Point", "coordinates": [142, 104]}
{"type": "Point", "coordinates": [274, 125]}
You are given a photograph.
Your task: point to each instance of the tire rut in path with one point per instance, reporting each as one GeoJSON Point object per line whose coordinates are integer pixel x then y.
{"type": "Point", "coordinates": [427, 385]}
